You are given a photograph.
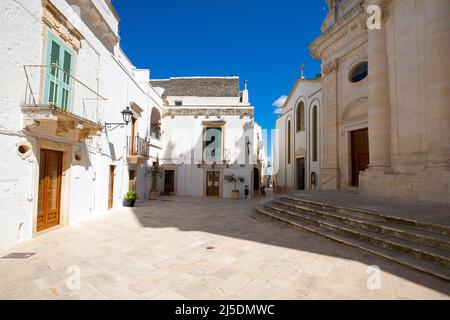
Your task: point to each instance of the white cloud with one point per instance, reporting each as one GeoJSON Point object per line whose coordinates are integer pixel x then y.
{"type": "Point", "coordinates": [278, 111]}
{"type": "Point", "coordinates": [279, 103]}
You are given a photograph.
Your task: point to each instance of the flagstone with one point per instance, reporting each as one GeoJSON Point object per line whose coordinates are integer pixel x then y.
{"type": "Point", "coordinates": [185, 250]}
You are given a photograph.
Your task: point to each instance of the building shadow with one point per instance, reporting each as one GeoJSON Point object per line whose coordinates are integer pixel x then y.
{"type": "Point", "coordinates": [232, 219]}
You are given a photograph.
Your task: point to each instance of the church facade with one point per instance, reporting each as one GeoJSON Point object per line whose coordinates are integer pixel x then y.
{"type": "Point", "coordinates": [386, 91]}
{"type": "Point", "coordinates": [297, 143]}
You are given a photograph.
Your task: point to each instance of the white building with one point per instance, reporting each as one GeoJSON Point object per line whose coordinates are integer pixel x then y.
{"type": "Point", "coordinates": [63, 77]}
{"type": "Point", "coordinates": [208, 133]}
{"type": "Point", "coordinates": [297, 144]}
{"type": "Point", "coordinates": [259, 149]}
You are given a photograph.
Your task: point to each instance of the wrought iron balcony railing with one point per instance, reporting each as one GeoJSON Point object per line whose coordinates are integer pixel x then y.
{"type": "Point", "coordinates": [212, 155]}
{"type": "Point", "coordinates": [138, 147]}
{"type": "Point", "coordinates": [50, 85]}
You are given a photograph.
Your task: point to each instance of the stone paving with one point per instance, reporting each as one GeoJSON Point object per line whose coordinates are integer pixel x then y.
{"type": "Point", "coordinates": [199, 248]}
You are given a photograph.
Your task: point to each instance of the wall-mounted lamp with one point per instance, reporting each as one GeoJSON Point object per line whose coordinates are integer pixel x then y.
{"type": "Point", "coordinates": [127, 114]}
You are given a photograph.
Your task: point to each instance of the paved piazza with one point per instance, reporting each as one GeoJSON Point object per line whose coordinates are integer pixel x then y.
{"type": "Point", "coordinates": [197, 248]}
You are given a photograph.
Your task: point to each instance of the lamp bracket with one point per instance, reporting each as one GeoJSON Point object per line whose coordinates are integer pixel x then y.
{"type": "Point", "coordinates": [113, 126]}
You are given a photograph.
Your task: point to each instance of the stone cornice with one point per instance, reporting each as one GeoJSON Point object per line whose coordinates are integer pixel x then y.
{"type": "Point", "coordinates": [353, 20]}
{"type": "Point", "coordinates": [94, 18]}
{"type": "Point", "coordinates": [383, 4]}
{"type": "Point", "coordinates": [59, 24]}
{"type": "Point", "coordinates": [217, 112]}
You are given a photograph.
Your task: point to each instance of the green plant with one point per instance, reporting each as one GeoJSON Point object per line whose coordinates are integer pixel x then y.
{"type": "Point", "coordinates": [155, 171]}
{"type": "Point", "coordinates": [131, 196]}
{"type": "Point", "coordinates": [231, 178]}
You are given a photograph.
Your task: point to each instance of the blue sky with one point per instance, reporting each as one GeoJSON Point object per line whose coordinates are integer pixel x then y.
{"type": "Point", "coordinates": [263, 41]}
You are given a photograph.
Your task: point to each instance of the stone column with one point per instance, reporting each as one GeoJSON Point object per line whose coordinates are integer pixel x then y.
{"type": "Point", "coordinates": [330, 178]}
{"type": "Point", "coordinates": [379, 112]}
{"type": "Point", "coordinates": [437, 81]}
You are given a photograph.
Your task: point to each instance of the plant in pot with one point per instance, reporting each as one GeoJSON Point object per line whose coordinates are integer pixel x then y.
{"type": "Point", "coordinates": [155, 171]}
{"type": "Point", "coordinates": [231, 178]}
{"type": "Point", "coordinates": [129, 199]}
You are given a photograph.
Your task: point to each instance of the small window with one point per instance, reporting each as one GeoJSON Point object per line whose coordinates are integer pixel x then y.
{"type": "Point", "coordinates": [178, 103]}
{"type": "Point", "coordinates": [314, 134]}
{"type": "Point", "coordinates": [359, 72]}
{"type": "Point", "coordinates": [289, 141]}
{"type": "Point", "coordinates": [301, 117]}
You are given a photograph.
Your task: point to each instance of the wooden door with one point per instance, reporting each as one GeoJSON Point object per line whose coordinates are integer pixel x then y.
{"type": "Point", "coordinates": [301, 174]}
{"type": "Point", "coordinates": [212, 183]}
{"type": "Point", "coordinates": [49, 198]}
{"type": "Point", "coordinates": [112, 170]}
{"type": "Point", "coordinates": [132, 180]}
{"type": "Point", "coordinates": [360, 153]}
{"type": "Point", "coordinates": [169, 181]}
{"type": "Point", "coordinates": [256, 179]}
{"type": "Point", "coordinates": [133, 135]}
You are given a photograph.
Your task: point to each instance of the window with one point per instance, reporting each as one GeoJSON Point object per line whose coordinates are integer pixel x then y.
{"type": "Point", "coordinates": [360, 72]}
{"type": "Point", "coordinates": [289, 141]}
{"type": "Point", "coordinates": [314, 134]}
{"type": "Point", "coordinates": [155, 124]}
{"type": "Point", "coordinates": [213, 144]}
{"type": "Point", "coordinates": [178, 103]}
{"type": "Point", "coordinates": [301, 117]}
{"type": "Point", "coordinates": [58, 83]}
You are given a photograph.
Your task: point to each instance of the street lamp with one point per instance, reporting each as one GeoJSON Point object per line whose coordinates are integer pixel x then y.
{"type": "Point", "coordinates": [127, 114]}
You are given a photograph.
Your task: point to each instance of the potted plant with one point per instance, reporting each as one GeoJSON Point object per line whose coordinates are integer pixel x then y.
{"type": "Point", "coordinates": [130, 199]}
{"type": "Point", "coordinates": [231, 178]}
{"type": "Point", "coordinates": [155, 171]}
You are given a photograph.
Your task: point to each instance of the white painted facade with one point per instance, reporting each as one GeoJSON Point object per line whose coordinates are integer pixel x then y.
{"type": "Point", "coordinates": [185, 120]}
{"type": "Point", "coordinates": [306, 93]}
{"type": "Point", "coordinates": [104, 83]}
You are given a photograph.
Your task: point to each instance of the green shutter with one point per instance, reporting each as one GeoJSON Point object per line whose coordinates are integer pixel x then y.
{"type": "Point", "coordinates": [214, 142]}
{"type": "Point", "coordinates": [58, 83]}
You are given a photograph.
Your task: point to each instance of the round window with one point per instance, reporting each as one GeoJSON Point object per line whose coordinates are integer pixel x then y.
{"type": "Point", "coordinates": [24, 150]}
{"type": "Point", "coordinates": [359, 72]}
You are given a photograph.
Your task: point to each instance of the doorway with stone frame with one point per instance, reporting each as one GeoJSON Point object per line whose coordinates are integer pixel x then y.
{"type": "Point", "coordinates": [212, 183]}
{"type": "Point", "coordinates": [359, 145]}
{"type": "Point", "coordinates": [50, 185]}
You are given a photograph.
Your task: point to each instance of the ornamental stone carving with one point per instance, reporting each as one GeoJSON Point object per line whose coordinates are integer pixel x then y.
{"type": "Point", "coordinates": [330, 66]}
{"type": "Point", "coordinates": [59, 24]}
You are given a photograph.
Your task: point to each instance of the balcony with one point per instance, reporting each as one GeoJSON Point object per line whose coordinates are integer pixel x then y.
{"type": "Point", "coordinates": [138, 150]}
{"type": "Point", "coordinates": [215, 156]}
{"type": "Point", "coordinates": [100, 16]}
{"type": "Point", "coordinates": [58, 104]}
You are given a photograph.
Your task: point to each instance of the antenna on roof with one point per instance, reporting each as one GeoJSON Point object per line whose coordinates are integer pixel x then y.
{"type": "Point", "coordinates": [302, 69]}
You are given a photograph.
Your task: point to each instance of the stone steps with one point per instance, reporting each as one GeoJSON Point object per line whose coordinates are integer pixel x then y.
{"type": "Point", "coordinates": [375, 216]}
{"type": "Point", "coordinates": [370, 233]}
{"type": "Point", "coordinates": [420, 236]}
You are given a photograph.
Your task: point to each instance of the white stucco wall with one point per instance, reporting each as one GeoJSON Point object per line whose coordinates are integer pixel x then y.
{"type": "Point", "coordinates": [85, 182]}
{"type": "Point", "coordinates": [182, 142]}
{"type": "Point", "coordinates": [183, 148]}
